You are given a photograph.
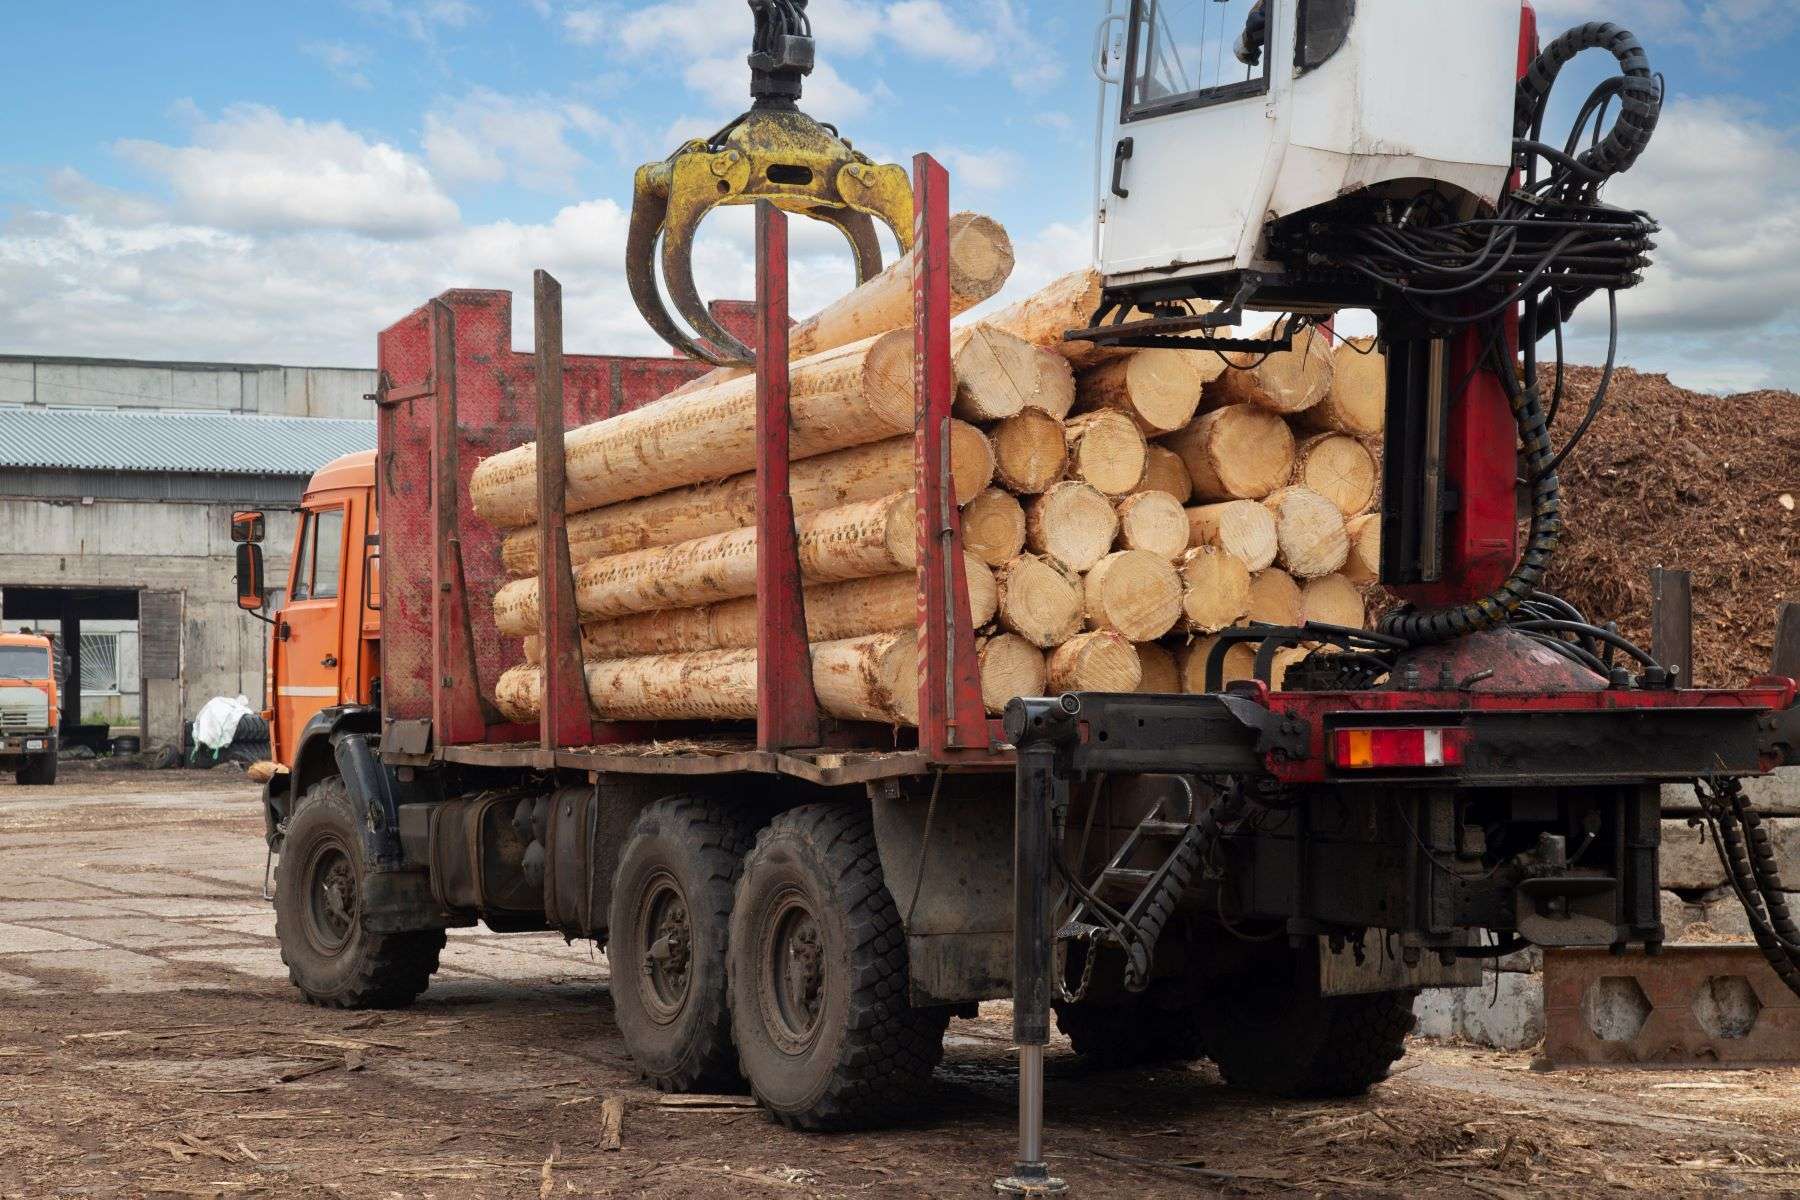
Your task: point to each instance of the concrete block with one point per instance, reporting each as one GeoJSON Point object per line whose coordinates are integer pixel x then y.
{"type": "Point", "coordinates": [1436, 1011]}
{"type": "Point", "coordinates": [1530, 959]}
{"type": "Point", "coordinates": [1677, 914]}
{"type": "Point", "coordinates": [1688, 862]}
{"type": "Point", "coordinates": [1777, 792]}
{"type": "Point", "coordinates": [1505, 1013]}
{"type": "Point", "coordinates": [25, 939]}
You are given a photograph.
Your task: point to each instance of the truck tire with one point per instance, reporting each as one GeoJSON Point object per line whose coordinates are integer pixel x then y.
{"type": "Point", "coordinates": [819, 977]}
{"type": "Point", "coordinates": [36, 772]}
{"type": "Point", "coordinates": [1132, 1033]}
{"type": "Point", "coordinates": [670, 918]}
{"type": "Point", "coordinates": [1290, 1041]}
{"type": "Point", "coordinates": [331, 958]}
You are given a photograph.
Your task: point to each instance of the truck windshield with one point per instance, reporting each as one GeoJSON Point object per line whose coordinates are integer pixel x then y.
{"type": "Point", "coordinates": [24, 662]}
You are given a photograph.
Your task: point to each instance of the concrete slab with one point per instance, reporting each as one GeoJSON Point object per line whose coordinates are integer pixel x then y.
{"type": "Point", "coordinates": [147, 933]}
{"type": "Point", "coordinates": [19, 984]}
{"type": "Point", "coordinates": [189, 906]}
{"type": "Point", "coordinates": [106, 972]}
{"type": "Point", "coordinates": [28, 939]}
{"type": "Point", "coordinates": [38, 910]}
{"type": "Point", "coordinates": [259, 962]}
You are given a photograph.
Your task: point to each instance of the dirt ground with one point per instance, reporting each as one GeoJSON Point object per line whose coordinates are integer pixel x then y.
{"type": "Point", "coordinates": [150, 1046]}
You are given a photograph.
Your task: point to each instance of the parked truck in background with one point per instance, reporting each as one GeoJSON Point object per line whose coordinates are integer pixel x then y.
{"type": "Point", "coordinates": [28, 707]}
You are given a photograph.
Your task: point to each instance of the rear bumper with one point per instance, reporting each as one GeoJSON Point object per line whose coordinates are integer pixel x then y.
{"type": "Point", "coordinates": [21, 745]}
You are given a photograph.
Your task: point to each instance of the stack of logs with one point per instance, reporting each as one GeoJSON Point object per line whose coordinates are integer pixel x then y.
{"type": "Point", "coordinates": [1119, 509]}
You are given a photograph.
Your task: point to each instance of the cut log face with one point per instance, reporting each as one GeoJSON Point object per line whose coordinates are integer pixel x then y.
{"type": "Point", "coordinates": [1357, 401]}
{"type": "Point", "coordinates": [849, 396]}
{"type": "Point", "coordinates": [1040, 600]}
{"type": "Point", "coordinates": [1073, 524]}
{"type": "Point", "coordinates": [1157, 389]}
{"type": "Point", "coordinates": [1333, 600]}
{"type": "Point", "coordinates": [993, 527]}
{"type": "Point", "coordinates": [1134, 593]}
{"type": "Point", "coordinates": [1165, 472]}
{"type": "Point", "coordinates": [1363, 565]}
{"type": "Point", "coordinates": [1339, 468]}
{"type": "Point", "coordinates": [1236, 453]}
{"type": "Point", "coordinates": [996, 373]}
{"type": "Point", "coordinates": [1217, 589]}
{"type": "Point", "coordinates": [816, 484]}
{"type": "Point", "coordinates": [1101, 661]}
{"type": "Point", "coordinates": [1010, 667]}
{"type": "Point", "coordinates": [1154, 521]}
{"type": "Point", "coordinates": [1240, 663]}
{"type": "Point", "coordinates": [1156, 663]}
{"type": "Point", "coordinates": [1107, 452]}
{"type": "Point", "coordinates": [1309, 531]}
{"type": "Point", "coordinates": [1030, 452]}
{"type": "Point", "coordinates": [1243, 529]}
{"type": "Point", "coordinates": [1286, 382]}
{"type": "Point", "coordinates": [1275, 598]}
{"type": "Point", "coordinates": [1053, 383]}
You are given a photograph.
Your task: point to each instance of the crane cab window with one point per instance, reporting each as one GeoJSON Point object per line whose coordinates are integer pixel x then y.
{"type": "Point", "coordinates": [1188, 53]}
{"type": "Point", "coordinates": [321, 548]}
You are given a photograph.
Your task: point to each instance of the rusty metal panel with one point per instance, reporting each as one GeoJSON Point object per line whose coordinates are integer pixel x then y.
{"type": "Point", "coordinates": [159, 635]}
{"type": "Point", "coordinates": [1696, 1005]}
{"type": "Point", "coordinates": [563, 717]}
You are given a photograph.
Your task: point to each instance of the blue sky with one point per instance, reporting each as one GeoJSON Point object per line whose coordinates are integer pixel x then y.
{"type": "Point", "coordinates": [275, 182]}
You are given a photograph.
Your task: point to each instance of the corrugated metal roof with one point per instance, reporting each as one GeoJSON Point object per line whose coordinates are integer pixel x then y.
{"type": "Point", "coordinates": [192, 442]}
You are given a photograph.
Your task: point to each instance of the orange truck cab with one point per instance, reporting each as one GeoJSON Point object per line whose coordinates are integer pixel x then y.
{"type": "Point", "coordinates": [28, 707]}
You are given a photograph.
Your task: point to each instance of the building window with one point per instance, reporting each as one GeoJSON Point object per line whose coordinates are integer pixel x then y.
{"type": "Point", "coordinates": [100, 664]}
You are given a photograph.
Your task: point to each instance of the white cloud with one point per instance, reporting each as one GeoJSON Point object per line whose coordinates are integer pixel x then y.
{"type": "Point", "coordinates": [988, 170]}
{"type": "Point", "coordinates": [344, 61]}
{"type": "Point", "coordinates": [725, 83]}
{"type": "Point", "coordinates": [703, 28]}
{"type": "Point", "coordinates": [926, 29]}
{"type": "Point", "coordinates": [254, 169]}
{"type": "Point", "coordinates": [1717, 29]}
{"type": "Point", "coordinates": [421, 19]}
{"type": "Point", "coordinates": [486, 137]}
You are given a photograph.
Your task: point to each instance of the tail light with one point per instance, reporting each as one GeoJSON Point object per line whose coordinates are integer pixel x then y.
{"type": "Point", "coordinates": [1370, 749]}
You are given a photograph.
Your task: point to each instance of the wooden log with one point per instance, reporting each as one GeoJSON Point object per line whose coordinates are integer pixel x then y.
{"type": "Point", "coordinates": [854, 541]}
{"type": "Point", "coordinates": [1363, 564]}
{"type": "Point", "coordinates": [1190, 661]}
{"type": "Point", "coordinates": [1052, 386]}
{"type": "Point", "coordinates": [1339, 468]}
{"type": "Point", "coordinates": [1040, 600]}
{"type": "Point", "coordinates": [1275, 598]}
{"type": "Point", "coordinates": [1356, 404]}
{"type": "Point", "coordinates": [1154, 521]}
{"type": "Point", "coordinates": [873, 678]}
{"type": "Point", "coordinates": [1030, 452]}
{"type": "Point", "coordinates": [1156, 663]}
{"type": "Point", "coordinates": [1071, 523]}
{"type": "Point", "coordinates": [1333, 600]}
{"type": "Point", "coordinates": [848, 396]}
{"type": "Point", "coordinates": [1216, 589]}
{"type": "Point", "coordinates": [1134, 593]}
{"type": "Point", "coordinates": [1236, 453]}
{"type": "Point", "coordinates": [993, 527]}
{"type": "Point", "coordinates": [1107, 451]}
{"type": "Point", "coordinates": [816, 484]}
{"type": "Point", "coordinates": [1288, 382]}
{"type": "Point", "coordinates": [1010, 667]}
{"type": "Point", "coordinates": [1309, 533]}
{"type": "Point", "coordinates": [1101, 661]}
{"type": "Point", "coordinates": [1243, 529]}
{"type": "Point", "coordinates": [1061, 305]}
{"type": "Point", "coordinates": [997, 373]}
{"type": "Point", "coordinates": [1157, 389]}
{"type": "Point", "coordinates": [1165, 472]}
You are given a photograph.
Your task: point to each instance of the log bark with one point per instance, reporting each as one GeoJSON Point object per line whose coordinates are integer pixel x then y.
{"type": "Point", "coordinates": [1156, 664]}
{"type": "Point", "coordinates": [816, 484]}
{"type": "Point", "coordinates": [1010, 667]}
{"type": "Point", "coordinates": [1030, 452]}
{"type": "Point", "coordinates": [1243, 529]}
{"type": "Point", "coordinates": [873, 678]}
{"type": "Point", "coordinates": [1154, 521]}
{"type": "Point", "coordinates": [1309, 533]}
{"type": "Point", "coordinates": [1158, 389]}
{"type": "Point", "coordinates": [1333, 600]}
{"type": "Point", "coordinates": [1236, 453]}
{"type": "Point", "coordinates": [1363, 564]}
{"type": "Point", "coordinates": [1134, 593]}
{"type": "Point", "coordinates": [1165, 472]}
{"type": "Point", "coordinates": [848, 396]}
{"type": "Point", "coordinates": [1040, 600]}
{"type": "Point", "coordinates": [1357, 401]}
{"type": "Point", "coordinates": [1216, 589]}
{"type": "Point", "coordinates": [1339, 468]}
{"type": "Point", "coordinates": [1275, 598]}
{"type": "Point", "coordinates": [1073, 524]}
{"type": "Point", "coordinates": [1107, 451]}
{"type": "Point", "coordinates": [1095, 662]}
{"type": "Point", "coordinates": [993, 527]}
{"type": "Point", "coordinates": [1288, 382]}
{"type": "Point", "coordinates": [855, 541]}
{"type": "Point", "coordinates": [1044, 316]}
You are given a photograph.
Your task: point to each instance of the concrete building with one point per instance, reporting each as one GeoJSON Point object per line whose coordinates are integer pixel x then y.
{"type": "Point", "coordinates": [117, 484]}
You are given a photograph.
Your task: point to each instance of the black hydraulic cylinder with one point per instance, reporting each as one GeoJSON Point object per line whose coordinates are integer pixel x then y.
{"type": "Point", "coordinates": [1035, 796]}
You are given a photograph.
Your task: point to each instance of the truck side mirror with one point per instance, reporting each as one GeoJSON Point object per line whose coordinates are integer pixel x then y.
{"type": "Point", "coordinates": [246, 527]}
{"type": "Point", "coordinates": [250, 594]}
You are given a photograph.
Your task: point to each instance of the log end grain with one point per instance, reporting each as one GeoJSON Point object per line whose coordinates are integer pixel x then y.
{"type": "Point", "coordinates": [1243, 529]}
{"type": "Point", "coordinates": [1101, 661]}
{"type": "Point", "coordinates": [1158, 389]}
{"type": "Point", "coordinates": [1236, 453]}
{"type": "Point", "coordinates": [1309, 531]}
{"type": "Point", "coordinates": [1216, 589]}
{"type": "Point", "coordinates": [1010, 667]}
{"type": "Point", "coordinates": [1072, 523]}
{"type": "Point", "coordinates": [1134, 593]}
{"type": "Point", "coordinates": [1154, 521]}
{"type": "Point", "coordinates": [1363, 565]}
{"type": "Point", "coordinates": [1107, 451]}
{"type": "Point", "coordinates": [1165, 472]}
{"type": "Point", "coordinates": [1161, 675]}
{"type": "Point", "coordinates": [993, 527]}
{"type": "Point", "coordinates": [1339, 468]}
{"type": "Point", "coordinates": [1275, 598]}
{"type": "Point", "coordinates": [1333, 600]}
{"type": "Point", "coordinates": [1040, 600]}
{"type": "Point", "coordinates": [1030, 452]}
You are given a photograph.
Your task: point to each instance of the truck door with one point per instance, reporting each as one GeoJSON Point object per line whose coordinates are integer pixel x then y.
{"type": "Point", "coordinates": [309, 635]}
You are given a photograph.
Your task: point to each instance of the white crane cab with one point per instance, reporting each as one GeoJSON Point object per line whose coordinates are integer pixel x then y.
{"type": "Point", "coordinates": [1233, 114]}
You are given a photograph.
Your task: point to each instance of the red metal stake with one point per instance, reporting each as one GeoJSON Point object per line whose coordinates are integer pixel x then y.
{"type": "Point", "coordinates": [787, 710]}
{"type": "Point", "coordinates": [952, 716]}
{"type": "Point", "coordinates": [563, 717]}
{"type": "Point", "coordinates": [459, 711]}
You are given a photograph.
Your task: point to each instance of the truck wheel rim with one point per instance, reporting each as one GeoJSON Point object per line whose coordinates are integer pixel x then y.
{"type": "Point", "coordinates": [793, 972]}
{"type": "Point", "coordinates": [331, 897]}
{"type": "Point", "coordinates": [666, 934]}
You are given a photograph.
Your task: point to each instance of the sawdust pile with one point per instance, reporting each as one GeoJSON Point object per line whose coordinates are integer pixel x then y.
{"type": "Point", "coordinates": [1682, 479]}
